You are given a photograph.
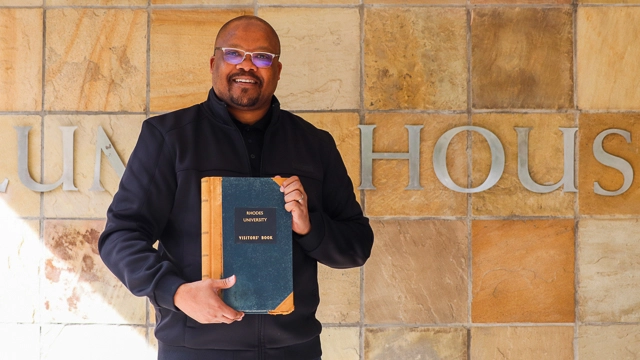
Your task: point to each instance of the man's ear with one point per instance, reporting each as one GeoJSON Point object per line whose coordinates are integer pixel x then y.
{"type": "Point", "coordinates": [211, 61]}
{"type": "Point", "coordinates": [279, 69]}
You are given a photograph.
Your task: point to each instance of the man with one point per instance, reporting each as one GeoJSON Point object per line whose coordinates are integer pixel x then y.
{"type": "Point", "coordinates": [239, 131]}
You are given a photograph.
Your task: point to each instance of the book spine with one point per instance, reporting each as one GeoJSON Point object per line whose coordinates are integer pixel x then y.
{"type": "Point", "coordinates": [211, 192]}
{"type": "Point", "coordinates": [216, 228]}
{"type": "Point", "coordinates": [206, 231]}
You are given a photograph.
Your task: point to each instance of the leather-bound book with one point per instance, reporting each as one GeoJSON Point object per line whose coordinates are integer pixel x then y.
{"type": "Point", "coordinates": [246, 232]}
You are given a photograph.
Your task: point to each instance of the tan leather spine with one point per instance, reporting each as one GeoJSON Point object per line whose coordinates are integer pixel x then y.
{"type": "Point", "coordinates": [212, 228]}
{"type": "Point", "coordinates": [216, 228]}
{"type": "Point", "coordinates": [206, 231]}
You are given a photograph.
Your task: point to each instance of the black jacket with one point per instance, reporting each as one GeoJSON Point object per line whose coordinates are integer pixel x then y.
{"type": "Point", "coordinates": [159, 198]}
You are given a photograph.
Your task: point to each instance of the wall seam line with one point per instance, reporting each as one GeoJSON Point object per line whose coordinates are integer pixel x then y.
{"type": "Point", "coordinates": [469, 219]}
{"type": "Point", "coordinates": [41, 217]}
{"type": "Point", "coordinates": [363, 195]}
{"type": "Point", "coordinates": [148, 328]}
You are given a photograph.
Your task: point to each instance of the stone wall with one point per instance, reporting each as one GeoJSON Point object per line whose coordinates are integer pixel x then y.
{"type": "Point", "coordinates": [501, 274]}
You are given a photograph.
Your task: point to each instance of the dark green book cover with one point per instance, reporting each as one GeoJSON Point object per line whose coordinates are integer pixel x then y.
{"type": "Point", "coordinates": [246, 232]}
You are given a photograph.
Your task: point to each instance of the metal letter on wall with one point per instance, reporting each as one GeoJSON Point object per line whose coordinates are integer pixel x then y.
{"type": "Point", "coordinates": [367, 156]}
{"type": "Point", "coordinates": [67, 160]}
{"type": "Point", "coordinates": [615, 162]}
{"type": "Point", "coordinates": [440, 159]}
{"type": "Point", "coordinates": [103, 144]}
{"type": "Point", "coordinates": [3, 186]}
{"type": "Point", "coordinates": [568, 179]}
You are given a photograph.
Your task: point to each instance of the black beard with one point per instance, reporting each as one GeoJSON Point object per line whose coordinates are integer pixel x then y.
{"type": "Point", "coordinates": [244, 101]}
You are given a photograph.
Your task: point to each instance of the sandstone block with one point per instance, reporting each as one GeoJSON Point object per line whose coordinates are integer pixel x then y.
{"type": "Point", "coordinates": [522, 343]}
{"type": "Point", "coordinates": [340, 343]}
{"type": "Point", "coordinates": [182, 43]}
{"type": "Point", "coordinates": [421, 64]}
{"type": "Point", "coordinates": [96, 60]}
{"type": "Point", "coordinates": [546, 166]}
{"type": "Point", "coordinates": [122, 131]}
{"type": "Point", "coordinates": [523, 271]}
{"type": "Point", "coordinates": [391, 177]}
{"type": "Point", "coordinates": [320, 57]}
{"type": "Point", "coordinates": [593, 171]}
{"type": "Point", "coordinates": [19, 271]}
{"type": "Point", "coordinates": [522, 58]}
{"type": "Point", "coordinates": [21, 57]}
{"type": "Point", "coordinates": [415, 343]}
{"type": "Point", "coordinates": [65, 341]}
{"type": "Point", "coordinates": [609, 270]}
{"type": "Point", "coordinates": [417, 273]}
{"type": "Point", "coordinates": [18, 200]}
{"type": "Point", "coordinates": [620, 342]}
{"type": "Point", "coordinates": [608, 57]}
{"type": "Point", "coordinates": [77, 286]}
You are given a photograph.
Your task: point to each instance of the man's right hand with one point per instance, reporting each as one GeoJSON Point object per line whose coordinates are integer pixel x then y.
{"type": "Point", "coordinates": [200, 301]}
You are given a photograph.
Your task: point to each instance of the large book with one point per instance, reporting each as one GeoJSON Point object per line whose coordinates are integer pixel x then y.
{"type": "Point", "coordinates": [246, 232]}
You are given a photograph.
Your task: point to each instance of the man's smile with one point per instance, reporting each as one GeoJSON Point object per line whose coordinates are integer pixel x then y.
{"type": "Point", "coordinates": [245, 80]}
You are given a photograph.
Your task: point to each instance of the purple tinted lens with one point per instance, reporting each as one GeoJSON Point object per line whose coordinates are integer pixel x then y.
{"type": "Point", "coordinates": [233, 56]}
{"type": "Point", "coordinates": [262, 59]}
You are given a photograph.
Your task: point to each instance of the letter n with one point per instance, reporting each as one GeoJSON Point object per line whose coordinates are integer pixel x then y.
{"type": "Point", "coordinates": [367, 156]}
{"type": "Point", "coordinates": [103, 145]}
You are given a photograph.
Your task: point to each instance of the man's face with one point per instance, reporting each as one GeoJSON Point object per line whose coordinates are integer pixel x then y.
{"type": "Point", "coordinates": [245, 86]}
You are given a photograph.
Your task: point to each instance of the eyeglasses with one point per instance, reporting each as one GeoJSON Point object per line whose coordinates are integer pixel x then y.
{"type": "Point", "coordinates": [258, 58]}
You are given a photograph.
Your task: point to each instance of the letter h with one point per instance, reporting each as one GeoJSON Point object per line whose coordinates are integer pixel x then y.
{"type": "Point", "coordinates": [367, 155]}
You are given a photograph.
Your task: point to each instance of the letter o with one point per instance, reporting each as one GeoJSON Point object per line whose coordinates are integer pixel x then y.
{"type": "Point", "coordinates": [440, 159]}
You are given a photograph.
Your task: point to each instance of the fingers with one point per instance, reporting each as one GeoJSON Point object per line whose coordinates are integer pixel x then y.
{"type": "Point", "coordinates": [221, 314]}
{"type": "Point", "coordinates": [295, 197]}
{"type": "Point", "coordinates": [296, 203]}
{"type": "Point", "coordinates": [293, 191]}
{"type": "Point", "coordinates": [224, 283]}
{"type": "Point", "coordinates": [226, 314]}
{"type": "Point", "coordinates": [229, 316]}
{"type": "Point", "coordinates": [200, 301]}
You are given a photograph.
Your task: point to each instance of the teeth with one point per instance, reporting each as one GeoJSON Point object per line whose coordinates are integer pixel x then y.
{"type": "Point", "coordinates": [245, 81]}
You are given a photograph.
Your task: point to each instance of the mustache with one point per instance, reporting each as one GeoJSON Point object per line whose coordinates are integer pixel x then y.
{"type": "Point", "coordinates": [245, 74]}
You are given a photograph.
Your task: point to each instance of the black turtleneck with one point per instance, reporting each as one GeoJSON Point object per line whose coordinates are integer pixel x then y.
{"type": "Point", "coordinates": [253, 136]}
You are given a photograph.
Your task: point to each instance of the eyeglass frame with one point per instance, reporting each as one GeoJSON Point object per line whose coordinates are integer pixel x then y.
{"type": "Point", "coordinates": [245, 56]}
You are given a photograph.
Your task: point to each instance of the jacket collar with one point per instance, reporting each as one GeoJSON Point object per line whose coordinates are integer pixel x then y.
{"type": "Point", "coordinates": [220, 113]}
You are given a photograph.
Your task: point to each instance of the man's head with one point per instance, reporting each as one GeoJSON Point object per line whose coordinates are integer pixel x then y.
{"type": "Point", "coordinates": [246, 87]}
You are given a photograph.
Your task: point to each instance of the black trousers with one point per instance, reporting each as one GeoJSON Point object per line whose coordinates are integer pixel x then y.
{"type": "Point", "coordinates": [168, 352]}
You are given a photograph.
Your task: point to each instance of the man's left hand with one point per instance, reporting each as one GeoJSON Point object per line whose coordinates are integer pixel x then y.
{"type": "Point", "coordinates": [296, 203]}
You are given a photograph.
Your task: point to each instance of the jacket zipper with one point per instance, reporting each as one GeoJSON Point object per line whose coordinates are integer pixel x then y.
{"type": "Point", "coordinates": [264, 141]}
{"type": "Point", "coordinates": [260, 323]}
{"type": "Point", "coordinates": [244, 147]}
{"type": "Point", "coordinates": [260, 337]}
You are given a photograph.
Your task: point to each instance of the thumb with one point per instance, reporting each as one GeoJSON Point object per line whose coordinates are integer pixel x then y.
{"type": "Point", "coordinates": [224, 283]}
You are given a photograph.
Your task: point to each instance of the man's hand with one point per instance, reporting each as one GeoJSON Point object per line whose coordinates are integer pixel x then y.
{"type": "Point", "coordinates": [296, 203]}
{"type": "Point", "coordinates": [200, 301]}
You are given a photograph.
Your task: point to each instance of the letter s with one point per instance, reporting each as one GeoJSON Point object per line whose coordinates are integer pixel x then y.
{"type": "Point", "coordinates": [612, 161]}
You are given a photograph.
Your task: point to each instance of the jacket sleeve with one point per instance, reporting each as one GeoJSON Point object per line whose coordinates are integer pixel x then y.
{"type": "Point", "coordinates": [137, 217]}
{"type": "Point", "coordinates": [340, 236]}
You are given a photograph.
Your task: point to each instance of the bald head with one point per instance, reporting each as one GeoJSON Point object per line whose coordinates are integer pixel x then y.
{"type": "Point", "coordinates": [246, 87]}
{"type": "Point", "coordinates": [228, 29]}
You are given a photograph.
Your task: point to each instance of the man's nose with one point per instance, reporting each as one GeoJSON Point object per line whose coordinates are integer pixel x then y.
{"type": "Point", "coordinates": [247, 63]}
